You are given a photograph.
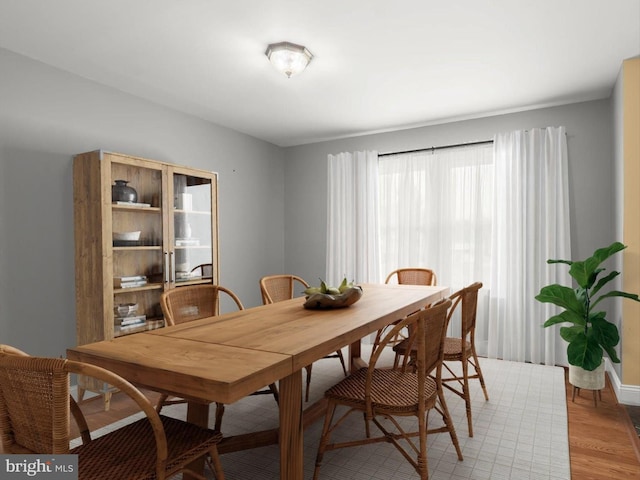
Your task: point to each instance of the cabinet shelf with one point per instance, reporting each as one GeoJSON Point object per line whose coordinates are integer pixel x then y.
{"type": "Point", "coordinates": [195, 281]}
{"type": "Point", "coordinates": [192, 212]}
{"type": "Point", "coordinates": [129, 208]}
{"type": "Point", "coordinates": [137, 247]}
{"type": "Point", "coordinates": [148, 286]}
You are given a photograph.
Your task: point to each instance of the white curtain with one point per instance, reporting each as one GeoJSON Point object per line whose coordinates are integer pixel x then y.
{"type": "Point", "coordinates": [530, 225]}
{"type": "Point", "coordinates": [435, 212]}
{"type": "Point", "coordinates": [352, 218]}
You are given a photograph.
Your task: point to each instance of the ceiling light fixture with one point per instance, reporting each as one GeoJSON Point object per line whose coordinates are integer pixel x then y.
{"type": "Point", "coordinates": [288, 58]}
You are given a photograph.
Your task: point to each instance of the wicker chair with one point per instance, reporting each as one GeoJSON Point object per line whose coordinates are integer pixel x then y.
{"type": "Point", "coordinates": [35, 408]}
{"type": "Point", "coordinates": [387, 393]}
{"type": "Point", "coordinates": [205, 270]}
{"type": "Point", "coordinates": [185, 304]}
{"type": "Point", "coordinates": [413, 276]}
{"type": "Point", "coordinates": [406, 276]}
{"type": "Point", "coordinates": [276, 288]}
{"type": "Point", "coordinates": [462, 349]}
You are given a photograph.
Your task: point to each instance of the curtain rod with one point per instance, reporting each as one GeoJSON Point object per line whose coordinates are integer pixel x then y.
{"type": "Point", "coordinates": [482, 142]}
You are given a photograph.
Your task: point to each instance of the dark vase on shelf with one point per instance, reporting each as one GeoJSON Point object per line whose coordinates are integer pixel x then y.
{"type": "Point", "coordinates": [121, 192]}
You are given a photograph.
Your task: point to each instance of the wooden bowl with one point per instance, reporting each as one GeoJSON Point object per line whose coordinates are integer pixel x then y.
{"type": "Point", "coordinates": [324, 301]}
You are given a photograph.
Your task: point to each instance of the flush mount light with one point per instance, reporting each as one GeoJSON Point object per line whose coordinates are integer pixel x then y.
{"type": "Point", "coordinates": [288, 58]}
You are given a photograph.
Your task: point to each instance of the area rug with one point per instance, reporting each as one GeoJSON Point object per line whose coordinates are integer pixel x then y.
{"type": "Point", "coordinates": [520, 433]}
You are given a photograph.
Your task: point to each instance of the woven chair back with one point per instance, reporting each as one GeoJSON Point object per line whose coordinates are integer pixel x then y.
{"type": "Point", "coordinates": [467, 298]}
{"type": "Point", "coordinates": [434, 332]}
{"type": "Point", "coordinates": [413, 276]}
{"type": "Point", "coordinates": [429, 328]}
{"type": "Point", "coordinates": [34, 404]}
{"type": "Point", "coordinates": [185, 304]}
{"type": "Point", "coordinates": [277, 288]}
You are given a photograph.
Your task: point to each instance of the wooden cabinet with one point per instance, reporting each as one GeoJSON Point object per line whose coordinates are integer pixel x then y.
{"type": "Point", "coordinates": [176, 214]}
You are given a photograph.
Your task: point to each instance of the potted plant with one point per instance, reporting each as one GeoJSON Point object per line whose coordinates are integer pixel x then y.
{"type": "Point", "coordinates": [590, 333]}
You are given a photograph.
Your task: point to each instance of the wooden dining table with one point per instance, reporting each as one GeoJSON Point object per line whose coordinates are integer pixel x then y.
{"type": "Point", "coordinates": [229, 356]}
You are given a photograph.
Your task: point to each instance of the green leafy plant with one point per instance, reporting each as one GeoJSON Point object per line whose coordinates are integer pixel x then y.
{"type": "Point", "coordinates": [591, 333]}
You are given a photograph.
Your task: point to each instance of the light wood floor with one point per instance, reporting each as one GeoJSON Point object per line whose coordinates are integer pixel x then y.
{"type": "Point", "coordinates": [602, 441]}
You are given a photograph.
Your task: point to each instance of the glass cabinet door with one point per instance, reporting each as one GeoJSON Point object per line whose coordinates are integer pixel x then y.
{"type": "Point", "coordinates": [193, 230]}
{"type": "Point", "coordinates": [138, 262]}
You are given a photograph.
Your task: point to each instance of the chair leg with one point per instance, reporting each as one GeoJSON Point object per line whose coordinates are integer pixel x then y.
{"type": "Point", "coordinates": [341, 357]}
{"type": "Point", "coordinates": [376, 341]}
{"type": "Point", "coordinates": [396, 361]}
{"type": "Point", "coordinates": [107, 401]}
{"type": "Point", "coordinates": [160, 403]}
{"type": "Point", "coordinates": [324, 438]}
{"type": "Point", "coordinates": [80, 394]}
{"type": "Point", "coordinates": [274, 390]}
{"type": "Point", "coordinates": [466, 394]}
{"type": "Point", "coordinates": [423, 463]}
{"type": "Point", "coordinates": [219, 414]}
{"type": "Point", "coordinates": [308, 369]}
{"type": "Point", "coordinates": [476, 365]}
{"type": "Point", "coordinates": [446, 416]}
{"type": "Point", "coordinates": [215, 464]}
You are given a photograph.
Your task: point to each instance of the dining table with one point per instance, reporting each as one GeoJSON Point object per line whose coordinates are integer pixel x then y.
{"type": "Point", "coordinates": [226, 357]}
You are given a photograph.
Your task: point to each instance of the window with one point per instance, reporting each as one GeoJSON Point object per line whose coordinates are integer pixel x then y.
{"type": "Point", "coordinates": [435, 211]}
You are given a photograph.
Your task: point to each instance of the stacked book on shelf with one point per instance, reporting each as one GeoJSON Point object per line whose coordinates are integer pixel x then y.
{"type": "Point", "coordinates": [136, 323]}
{"type": "Point", "coordinates": [130, 281]}
{"type": "Point", "coordinates": [153, 324]}
{"type": "Point", "coordinates": [131, 321]}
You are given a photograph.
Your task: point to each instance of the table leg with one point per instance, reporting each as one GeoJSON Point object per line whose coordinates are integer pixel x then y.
{"type": "Point", "coordinates": [291, 432]}
{"type": "Point", "coordinates": [197, 413]}
{"type": "Point", "coordinates": [355, 357]}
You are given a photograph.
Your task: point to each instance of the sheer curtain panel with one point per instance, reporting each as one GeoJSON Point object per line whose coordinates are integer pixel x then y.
{"type": "Point", "coordinates": [352, 218]}
{"type": "Point", "coordinates": [530, 225]}
{"type": "Point", "coordinates": [436, 212]}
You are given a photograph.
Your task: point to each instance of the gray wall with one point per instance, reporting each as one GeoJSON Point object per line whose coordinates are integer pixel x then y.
{"type": "Point", "coordinates": [47, 116]}
{"type": "Point", "coordinates": [589, 139]}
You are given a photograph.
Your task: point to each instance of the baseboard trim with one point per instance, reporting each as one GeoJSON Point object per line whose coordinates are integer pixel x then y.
{"type": "Point", "coordinates": [626, 394]}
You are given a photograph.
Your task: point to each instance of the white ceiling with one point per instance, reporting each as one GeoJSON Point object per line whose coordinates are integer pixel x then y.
{"type": "Point", "coordinates": [379, 64]}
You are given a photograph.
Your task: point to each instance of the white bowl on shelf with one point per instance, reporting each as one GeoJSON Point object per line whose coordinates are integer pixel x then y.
{"type": "Point", "coordinates": [126, 309]}
{"type": "Point", "coordinates": [128, 236]}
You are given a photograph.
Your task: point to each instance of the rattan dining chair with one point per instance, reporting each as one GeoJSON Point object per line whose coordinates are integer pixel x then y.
{"type": "Point", "coordinates": [382, 393]}
{"type": "Point", "coordinates": [277, 288]}
{"type": "Point", "coordinates": [461, 349]}
{"type": "Point", "coordinates": [35, 416]}
{"type": "Point", "coordinates": [413, 276]}
{"type": "Point", "coordinates": [205, 270]}
{"type": "Point", "coordinates": [406, 276]}
{"type": "Point", "coordinates": [188, 303]}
